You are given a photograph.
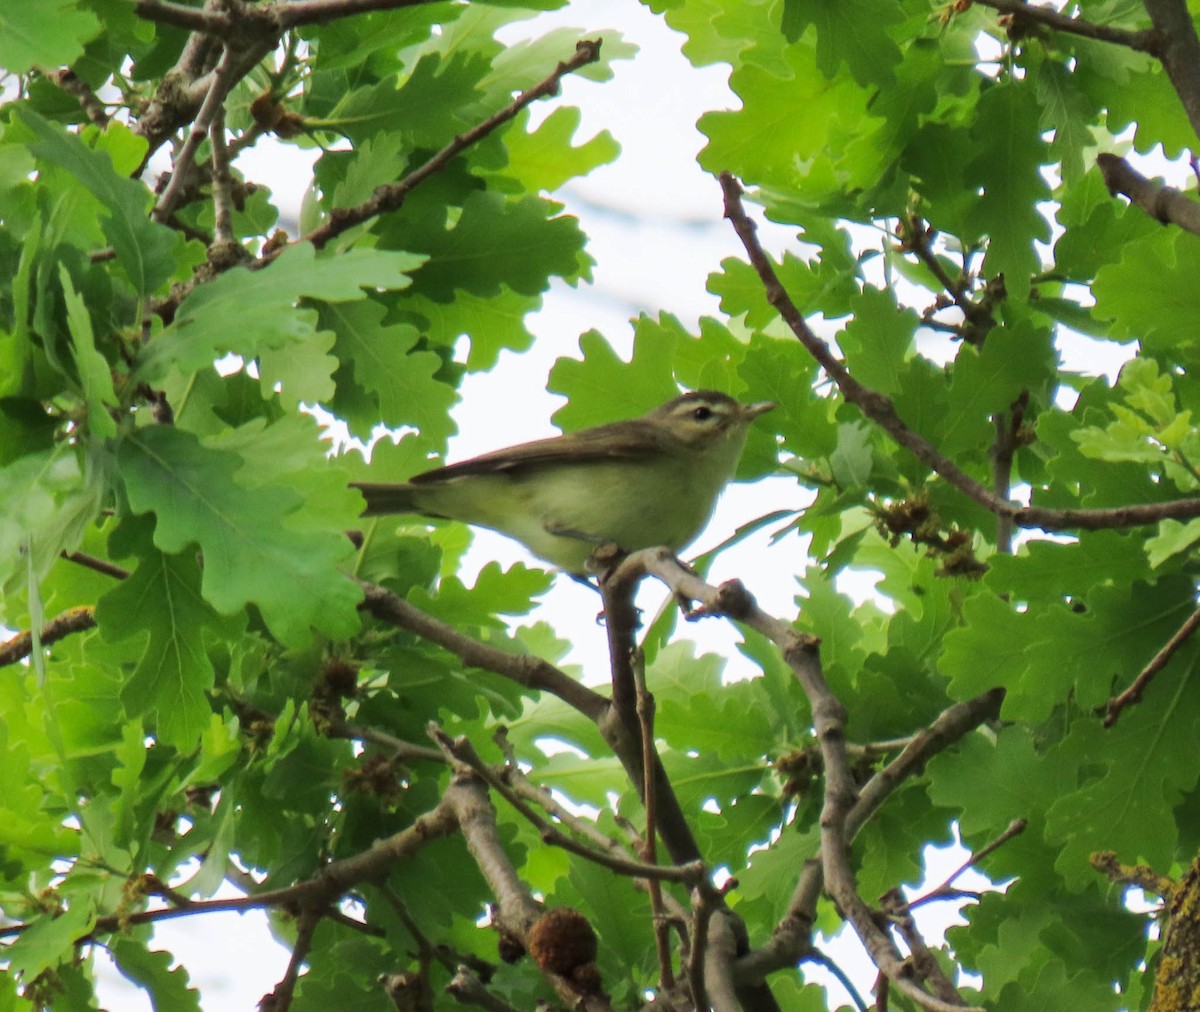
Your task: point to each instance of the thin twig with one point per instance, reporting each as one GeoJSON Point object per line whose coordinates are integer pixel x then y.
{"type": "Point", "coordinates": [319, 892]}
{"type": "Point", "coordinates": [791, 939]}
{"type": "Point", "coordinates": [99, 565]}
{"type": "Point", "coordinates": [514, 780]}
{"type": "Point", "coordinates": [403, 751]}
{"type": "Point", "coordinates": [696, 964]}
{"type": "Point", "coordinates": [1008, 431]}
{"type": "Point", "coordinates": [946, 890]}
{"type": "Point", "coordinates": [1159, 661]}
{"type": "Point", "coordinates": [181, 91]}
{"type": "Point", "coordinates": [925, 965]}
{"type": "Point", "coordinates": [391, 196]}
{"type": "Point", "coordinates": [822, 959]}
{"type": "Point", "coordinates": [977, 313]}
{"type": "Point", "coordinates": [881, 410]}
{"type": "Point", "coordinates": [461, 750]}
{"type": "Point", "coordinates": [619, 725]}
{"type": "Point", "coordinates": [516, 910]}
{"type": "Point", "coordinates": [467, 989]}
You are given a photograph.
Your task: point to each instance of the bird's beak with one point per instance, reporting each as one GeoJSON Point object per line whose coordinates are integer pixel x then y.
{"type": "Point", "coordinates": [752, 411]}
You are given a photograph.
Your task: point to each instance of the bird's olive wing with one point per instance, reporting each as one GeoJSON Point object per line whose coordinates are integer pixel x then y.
{"type": "Point", "coordinates": [628, 439]}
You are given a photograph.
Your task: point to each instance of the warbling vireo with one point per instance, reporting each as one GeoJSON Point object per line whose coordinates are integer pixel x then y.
{"type": "Point", "coordinates": [639, 483]}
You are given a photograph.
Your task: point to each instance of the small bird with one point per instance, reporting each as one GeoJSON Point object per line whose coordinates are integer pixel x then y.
{"type": "Point", "coordinates": [639, 483]}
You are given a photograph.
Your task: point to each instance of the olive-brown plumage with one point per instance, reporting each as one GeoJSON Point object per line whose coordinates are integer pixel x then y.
{"type": "Point", "coordinates": [647, 481]}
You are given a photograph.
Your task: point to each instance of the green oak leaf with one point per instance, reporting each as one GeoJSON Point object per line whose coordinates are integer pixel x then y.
{"type": "Point", "coordinates": [544, 158]}
{"type": "Point", "coordinates": [155, 972]}
{"type": "Point", "coordinates": [265, 305]}
{"type": "Point", "coordinates": [94, 372]}
{"type": "Point", "coordinates": [386, 363]}
{"type": "Point", "coordinates": [161, 601]}
{"type": "Point", "coordinates": [254, 550]}
{"type": "Point", "coordinates": [1138, 771]}
{"type": "Point", "coordinates": [49, 34]}
{"type": "Point", "coordinates": [854, 32]}
{"type": "Point", "coordinates": [1009, 172]}
{"type": "Point", "coordinates": [601, 388]}
{"type": "Point", "coordinates": [50, 940]}
{"type": "Point", "coordinates": [145, 250]}
{"type": "Point", "coordinates": [491, 323]}
{"type": "Point", "coordinates": [784, 121]}
{"type": "Point", "coordinates": [1141, 294]}
{"type": "Point", "coordinates": [497, 243]}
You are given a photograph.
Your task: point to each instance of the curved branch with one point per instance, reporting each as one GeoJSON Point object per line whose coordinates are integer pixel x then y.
{"type": "Point", "coordinates": [516, 909]}
{"type": "Point", "coordinates": [881, 410]}
{"type": "Point", "coordinates": [231, 68]}
{"type": "Point", "coordinates": [531, 672]}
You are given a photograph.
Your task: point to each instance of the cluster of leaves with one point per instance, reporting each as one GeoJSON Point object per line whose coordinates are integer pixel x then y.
{"type": "Point", "coordinates": [204, 696]}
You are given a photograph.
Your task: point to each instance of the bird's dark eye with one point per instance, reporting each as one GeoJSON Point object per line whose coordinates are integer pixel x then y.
{"type": "Point", "coordinates": [702, 413]}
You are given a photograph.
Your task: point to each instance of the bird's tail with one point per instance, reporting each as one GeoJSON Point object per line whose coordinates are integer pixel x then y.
{"type": "Point", "coordinates": [385, 498]}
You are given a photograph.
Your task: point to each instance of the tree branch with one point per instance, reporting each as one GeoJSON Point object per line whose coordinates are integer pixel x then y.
{"type": "Point", "coordinates": [1178, 47]}
{"type": "Point", "coordinates": [924, 964]}
{"type": "Point", "coordinates": [324, 888]}
{"type": "Point", "coordinates": [70, 621]}
{"type": "Point", "coordinates": [222, 182]}
{"type": "Point", "coordinates": [1143, 41]}
{"type": "Point", "coordinates": [81, 91]}
{"type": "Point", "coordinates": [181, 91]}
{"type": "Point", "coordinates": [791, 940]}
{"type": "Point", "coordinates": [842, 797]}
{"type": "Point", "coordinates": [98, 565]}
{"type": "Point", "coordinates": [1163, 203]}
{"type": "Point", "coordinates": [281, 997]}
{"type": "Point", "coordinates": [231, 68]}
{"type": "Point", "coordinates": [391, 197]}
{"type": "Point", "coordinates": [881, 410]}
{"type": "Point", "coordinates": [516, 910]}
{"type": "Point", "coordinates": [467, 989]}
{"type": "Point", "coordinates": [1008, 438]}
{"type": "Point", "coordinates": [462, 751]}
{"type": "Point", "coordinates": [531, 672]}
{"type": "Point", "coordinates": [945, 890]}
{"type": "Point", "coordinates": [209, 21]}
